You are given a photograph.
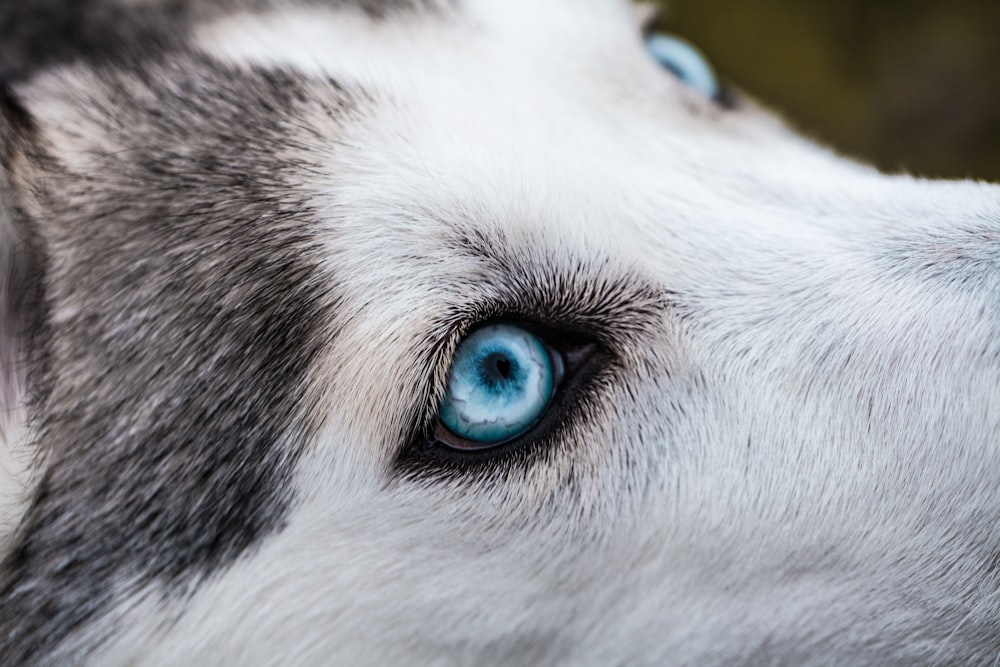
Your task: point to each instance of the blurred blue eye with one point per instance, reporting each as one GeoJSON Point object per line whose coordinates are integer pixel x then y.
{"type": "Point", "coordinates": [501, 382]}
{"type": "Point", "coordinates": [686, 62]}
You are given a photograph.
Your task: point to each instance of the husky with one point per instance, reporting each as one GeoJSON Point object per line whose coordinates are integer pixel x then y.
{"type": "Point", "coordinates": [473, 332]}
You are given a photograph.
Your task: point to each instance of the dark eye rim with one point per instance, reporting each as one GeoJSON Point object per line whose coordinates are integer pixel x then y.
{"type": "Point", "coordinates": [583, 356]}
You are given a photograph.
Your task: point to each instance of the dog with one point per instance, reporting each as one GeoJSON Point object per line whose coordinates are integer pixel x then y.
{"type": "Point", "coordinates": [492, 332]}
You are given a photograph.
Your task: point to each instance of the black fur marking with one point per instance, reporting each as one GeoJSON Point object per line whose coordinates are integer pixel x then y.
{"type": "Point", "coordinates": [43, 33]}
{"type": "Point", "coordinates": [15, 124]}
{"type": "Point", "coordinates": [184, 275]}
{"type": "Point", "coordinates": [22, 314]}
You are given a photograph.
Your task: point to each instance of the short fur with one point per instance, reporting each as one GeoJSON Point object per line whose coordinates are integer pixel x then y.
{"type": "Point", "coordinates": [240, 242]}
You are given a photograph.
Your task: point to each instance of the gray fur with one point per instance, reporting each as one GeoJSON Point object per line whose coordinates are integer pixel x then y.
{"type": "Point", "coordinates": [21, 310]}
{"type": "Point", "coordinates": [171, 413]}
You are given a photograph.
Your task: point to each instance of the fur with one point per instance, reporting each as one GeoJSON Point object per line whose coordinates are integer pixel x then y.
{"type": "Point", "coordinates": [240, 242]}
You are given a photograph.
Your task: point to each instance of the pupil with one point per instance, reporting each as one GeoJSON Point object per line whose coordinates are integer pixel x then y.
{"type": "Point", "coordinates": [499, 368]}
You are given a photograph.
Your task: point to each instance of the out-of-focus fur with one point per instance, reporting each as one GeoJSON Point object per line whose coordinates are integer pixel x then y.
{"type": "Point", "coordinates": [241, 240]}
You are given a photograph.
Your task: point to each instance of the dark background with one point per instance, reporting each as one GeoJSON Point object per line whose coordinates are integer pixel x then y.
{"type": "Point", "coordinates": [910, 85]}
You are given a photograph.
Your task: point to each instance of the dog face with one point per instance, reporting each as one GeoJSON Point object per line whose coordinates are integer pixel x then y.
{"type": "Point", "coordinates": [247, 247]}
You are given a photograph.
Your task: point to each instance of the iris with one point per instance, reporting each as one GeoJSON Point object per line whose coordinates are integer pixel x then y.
{"type": "Point", "coordinates": [500, 384]}
{"type": "Point", "coordinates": [686, 62]}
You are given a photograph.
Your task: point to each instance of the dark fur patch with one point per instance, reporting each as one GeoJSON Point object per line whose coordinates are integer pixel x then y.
{"type": "Point", "coordinates": [40, 34]}
{"type": "Point", "coordinates": [21, 308]}
{"type": "Point", "coordinates": [183, 271]}
{"type": "Point", "coordinates": [44, 33]}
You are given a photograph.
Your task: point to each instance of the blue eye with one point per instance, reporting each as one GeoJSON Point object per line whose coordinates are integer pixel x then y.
{"type": "Point", "coordinates": [501, 382]}
{"type": "Point", "coordinates": [686, 62]}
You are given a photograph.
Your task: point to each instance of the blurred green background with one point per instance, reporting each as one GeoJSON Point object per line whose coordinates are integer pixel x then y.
{"type": "Point", "coordinates": [909, 85]}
